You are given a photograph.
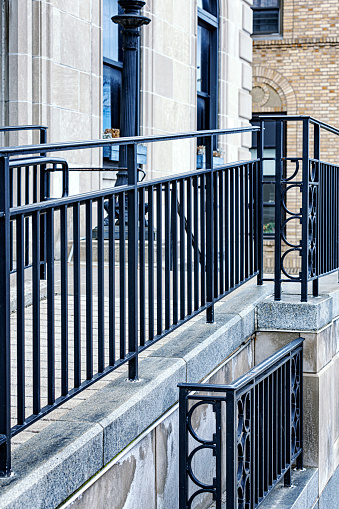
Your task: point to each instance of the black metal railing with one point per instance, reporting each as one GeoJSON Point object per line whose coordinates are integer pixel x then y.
{"type": "Point", "coordinates": [109, 300]}
{"type": "Point", "coordinates": [253, 434]}
{"type": "Point", "coordinates": [306, 202]}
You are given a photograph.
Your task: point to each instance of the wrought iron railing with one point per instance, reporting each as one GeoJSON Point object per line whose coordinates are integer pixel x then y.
{"type": "Point", "coordinates": [253, 436]}
{"type": "Point", "coordinates": [201, 241]}
{"type": "Point", "coordinates": [306, 202]}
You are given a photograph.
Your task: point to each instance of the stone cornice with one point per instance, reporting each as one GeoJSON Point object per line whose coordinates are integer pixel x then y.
{"type": "Point", "coordinates": [301, 41]}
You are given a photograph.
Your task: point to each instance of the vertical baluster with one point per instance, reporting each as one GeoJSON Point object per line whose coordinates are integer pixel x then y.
{"type": "Point", "coordinates": [142, 278]}
{"type": "Point", "coordinates": [259, 209]}
{"type": "Point", "coordinates": [133, 261]}
{"type": "Point", "coordinates": [35, 184]}
{"type": "Point", "coordinates": [209, 231]}
{"type": "Point", "coordinates": [196, 242]}
{"type": "Point", "coordinates": [19, 184]}
{"type": "Point", "coordinates": [203, 238]}
{"type": "Point", "coordinates": [277, 220]}
{"type": "Point", "coordinates": [271, 425]}
{"type": "Point", "coordinates": [261, 441]}
{"type": "Point", "coordinates": [11, 204]}
{"type": "Point", "coordinates": [64, 301]}
{"type": "Point", "coordinates": [216, 246]}
{"type": "Point", "coordinates": [182, 248]}
{"type": "Point", "coordinates": [221, 232]}
{"type": "Point", "coordinates": [231, 450]}
{"type": "Point", "coordinates": [27, 184]}
{"type": "Point", "coordinates": [236, 225]}
{"type": "Point", "coordinates": [167, 256]}
{"type": "Point", "coordinates": [122, 273]}
{"type": "Point", "coordinates": [305, 212]}
{"type": "Point", "coordinates": [101, 287]}
{"type": "Point", "coordinates": [20, 278]}
{"type": "Point", "coordinates": [189, 245]}
{"type": "Point", "coordinates": [174, 243]}
{"type": "Point", "coordinates": [231, 225]}
{"type": "Point", "coordinates": [36, 310]}
{"type": "Point", "coordinates": [227, 258]}
{"type": "Point", "coordinates": [89, 292]}
{"type": "Point", "coordinates": [287, 476]}
{"type": "Point", "coordinates": [246, 231]}
{"type": "Point", "coordinates": [50, 305]}
{"type": "Point", "coordinates": [251, 214]}
{"type": "Point", "coordinates": [242, 254]}
{"type": "Point", "coordinates": [159, 258]}
{"type": "Point", "coordinates": [150, 264]}
{"type": "Point", "coordinates": [77, 293]}
{"type": "Point", "coordinates": [111, 279]}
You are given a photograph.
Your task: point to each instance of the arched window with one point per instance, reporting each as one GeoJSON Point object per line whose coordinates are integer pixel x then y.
{"type": "Point", "coordinates": [207, 64]}
{"type": "Point", "coordinates": [112, 71]}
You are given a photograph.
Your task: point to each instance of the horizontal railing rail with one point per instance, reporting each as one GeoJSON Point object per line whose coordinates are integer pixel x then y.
{"type": "Point", "coordinates": [174, 247]}
{"type": "Point", "coordinates": [253, 434]}
{"type": "Point", "coordinates": [306, 203]}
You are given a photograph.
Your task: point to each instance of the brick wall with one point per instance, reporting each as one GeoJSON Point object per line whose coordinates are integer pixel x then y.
{"type": "Point", "coordinates": [297, 73]}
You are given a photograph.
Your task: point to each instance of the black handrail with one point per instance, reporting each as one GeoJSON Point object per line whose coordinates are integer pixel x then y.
{"type": "Point", "coordinates": [164, 279]}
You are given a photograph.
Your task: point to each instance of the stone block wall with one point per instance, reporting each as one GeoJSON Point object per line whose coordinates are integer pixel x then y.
{"type": "Point", "coordinates": [321, 371]}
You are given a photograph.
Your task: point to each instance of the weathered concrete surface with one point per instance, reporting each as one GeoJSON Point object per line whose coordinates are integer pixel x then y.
{"type": "Point", "coordinates": [330, 496]}
{"type": "Point", "coordinates": [47, 467]}
{"type": "Point", "coordinates": [155, 455]}
{"type": "Point", "coordinates": [303, 493]}
{"type": "Point", "coordinates": [291, 314]}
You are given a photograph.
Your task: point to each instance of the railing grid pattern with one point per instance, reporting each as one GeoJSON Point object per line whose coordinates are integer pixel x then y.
{"type": "Point", "coordinates": [255, 425]}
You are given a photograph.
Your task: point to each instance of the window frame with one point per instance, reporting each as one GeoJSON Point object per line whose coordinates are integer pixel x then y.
{"type": "Point", "coordinates": [265, 33]}
{"type": "Point", "coordinates": [211, 23]}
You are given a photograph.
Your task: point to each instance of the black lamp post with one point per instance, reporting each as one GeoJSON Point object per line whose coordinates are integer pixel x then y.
{"type": "Point", "coordinates": [131, 21]}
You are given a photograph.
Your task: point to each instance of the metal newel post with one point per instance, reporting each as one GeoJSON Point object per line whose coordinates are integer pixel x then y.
{"type": "Point", "coordinates": [131, 21]}
{"type": "Point", "coordinates": [278, 199]}
{"type": "Point", "coordinates": [260, 233]}
{"type": "Point", "coordinates": [44, 193]}
{"type": "Point", "coordinates": [209, 231]}
{"type": "Point", "coordinates": [5, 403]}
{"type": "Point", "coordinates": [305, 211]}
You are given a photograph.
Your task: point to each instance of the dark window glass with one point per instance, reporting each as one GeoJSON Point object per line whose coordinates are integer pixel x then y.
{"type": "Point", "coordinates": [207, 66]}
{"type": "Point", "coordinates": [112, 69]}
{"type": "Point", "coordinates": [266, 19]}
{"type": "Point", "coordinates": [203, 59]}
{"type": "Point", "coordinates": [209, 6]}
{"type": "Point", "coordinates": [111, 97]}
{"type": "Point", "coordinates": [202, 113]}
{"type": "Point", "coordinates": [265, 3]}
{"type": "Point", "coordinates": [111, 31]}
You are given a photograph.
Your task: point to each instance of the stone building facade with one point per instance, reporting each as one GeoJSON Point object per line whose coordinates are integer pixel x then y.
{"type": "Point", "coordinates": [295, 72]}
{"type": "Point", "coordinates": [52, 74]}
